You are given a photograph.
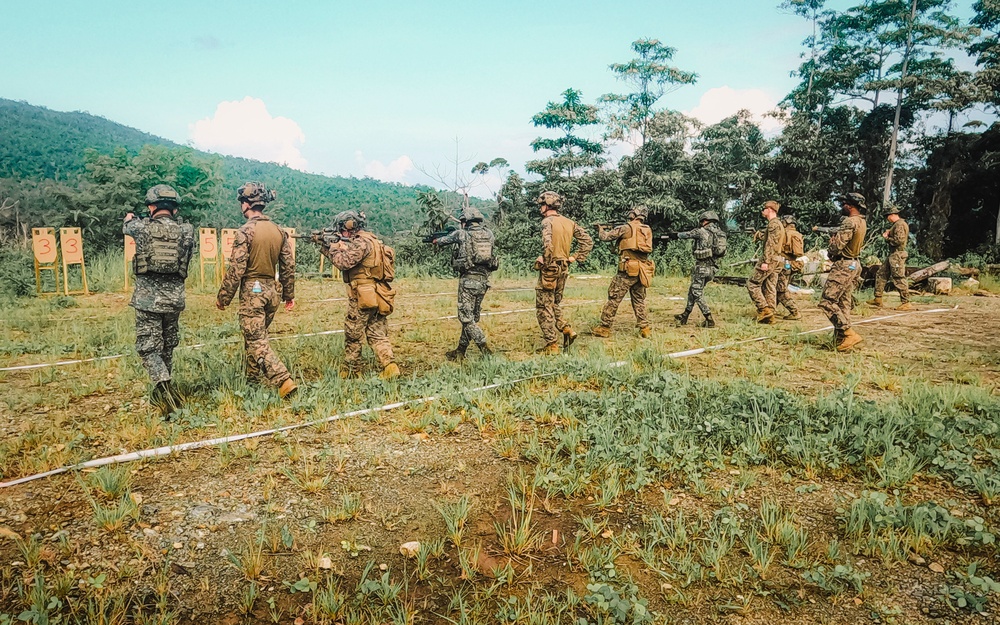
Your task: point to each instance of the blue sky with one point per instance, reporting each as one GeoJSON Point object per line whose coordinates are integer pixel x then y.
{"type": "Point", "coordinates": [377, 88]}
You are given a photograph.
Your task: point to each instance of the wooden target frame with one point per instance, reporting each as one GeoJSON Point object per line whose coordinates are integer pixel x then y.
{"type": "Point", "coordinates": [208, 252]}
{"type": "Point", "coordinates": [46, 254]}
{"type": "Point", "coordinates": [71, 244]}
{"type": "Point", "coordinates": [129, 255]}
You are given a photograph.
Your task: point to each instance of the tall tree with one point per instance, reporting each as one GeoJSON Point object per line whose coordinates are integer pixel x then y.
{"type": "Point", "coordinates": [571, 153]}
{"type": "Point", "coordinates": [986, 50]}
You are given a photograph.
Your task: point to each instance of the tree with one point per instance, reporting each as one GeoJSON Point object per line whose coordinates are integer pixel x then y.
{"type": "Point", "coordinates": [986, 50]}
{"type": "Point", "coordinates": [571, 153]}
{"type": "Point", "coordinates": [651, 77]}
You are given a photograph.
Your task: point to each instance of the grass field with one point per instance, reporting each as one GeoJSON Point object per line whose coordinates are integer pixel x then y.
{"type": "Point", "coordinates": [771, 481]}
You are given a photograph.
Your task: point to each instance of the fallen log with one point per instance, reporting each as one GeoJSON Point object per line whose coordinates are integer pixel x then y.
{"type": "Point", "coordinates": [927, 272]}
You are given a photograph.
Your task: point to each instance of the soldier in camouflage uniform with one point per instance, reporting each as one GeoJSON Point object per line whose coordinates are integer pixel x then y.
{"type": "Point", "coordinates": [163, 249]}
{"type": "Point", "coordinates": [844, 250]}
{"type": "Point", "coordinates": [360, 256]}
{"type": "Point", "coordinates": [558, 233]}
{"type": "Point", "coordinates": [793, 250]}
{"type": "Point", "coordinates": [705, 266]}
{"type": "Point", "coordinates": [894, 267]}
{"type": "Point", "coordinates": [260, 248]}
{"type": "Point", "coordinates": [473, 277]}
{"type": "Point", "coordinates": [762, 285]}
{"type": "Point", "coordinates": [635, 271]}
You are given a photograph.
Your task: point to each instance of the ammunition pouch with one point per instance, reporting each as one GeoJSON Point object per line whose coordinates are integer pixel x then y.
{"type": "Point", "coordinates": [636, 268]}
{"type": "Point", "coordinates": [386, 296]}
{"type": "Point", "coordinates": [702, 254]}
{"type": "Point", "coordinates": [548, 276]}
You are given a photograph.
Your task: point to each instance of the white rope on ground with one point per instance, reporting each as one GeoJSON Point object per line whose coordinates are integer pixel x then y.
{"type": "Point", "coordinates": [344, 299]}
{"type": "Point", "coordinates": [163, 451]}
{"type": "Point", "coordinates": [169, 449]}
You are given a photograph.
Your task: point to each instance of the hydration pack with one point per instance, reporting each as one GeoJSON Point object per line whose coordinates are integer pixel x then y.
{"type": "Point", "coordinates": [476, 250]}
{"type": "Point", "coordinates": [719, 241]}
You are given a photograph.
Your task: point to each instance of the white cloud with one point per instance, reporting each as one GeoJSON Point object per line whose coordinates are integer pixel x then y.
{"type": "Point", "coordinates": [245, 128]}
{"type": "Point", "coordinates": [395, 171]}
{"type": "Point", "coordinates": [721, 102]}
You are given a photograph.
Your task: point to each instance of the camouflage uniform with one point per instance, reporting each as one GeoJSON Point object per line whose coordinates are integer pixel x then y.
{"type": "Point", "coordinates": [623, 283]}
{"type": "Point", "coordinates": [558, 233]}
{"type": "Point", "coordinates": [704, 268]}
{"type": "Point", "coordinates": [259, 249]}
{"type": "Point", "coordinates": [844, 249]}
{"type": "Point", "coordinates": [472, 287]}
{"type": "Point", "coordinates": [158, 300]}
{"type": "Point", "coordinates": [790, 265]}
{"type": "Point", "coordinates": [762, 285]}
{"type": "Point", "coordinates": [894, 267]}
{"type": "Point", "coordinates": [347, 256]}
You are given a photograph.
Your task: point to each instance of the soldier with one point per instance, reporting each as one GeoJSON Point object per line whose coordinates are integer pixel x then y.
{"type": "Point", "coordinates": [367, 266]}
{"type": "Point", "coordinates": [260, 248]}
{"type": "Point", "coordinates": [793, 250]}
{"type": "Point", "coordinates": [894, 267]}
{"type": "Point", "coordinates": [558, 233]}
{"type": "Point", "coordinates": [474, 258]}
{"type": "Point", "coordinates": [844, 249]}
{"type": "Point", "coordinates": [709, 242]}
{"type": "Point", "coordinates": [635, 271]}
{"type": "Point", "coordinates": [762, 285]}
{"type": "Point", "coordinates": [163, 249]}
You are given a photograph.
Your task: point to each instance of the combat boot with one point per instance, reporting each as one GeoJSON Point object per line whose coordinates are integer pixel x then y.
{"type": "Point", "coordinates": [485, 350]}
{"type": "Point", "coordinates": [849, 340]}
{"type": "Point", "coordinates": [391, 371]}
{"type": "Point", "coordinates": [173, 399]}
{"type": "Point", "coordinates": [875, 302]}
{"type": "Point", "coordinates": [905, 306]}
{"type": "Point", "coordinates": [795, 316]}
{"type": "Point", "coordinates": [568, 336]}
{"type": "Point", "coordinates": [601, 331]}
{"type": "Point", "coordinates": [158, 399]}
{"type": "Point", "coordinates": [549, 350]}
{"type": "Point", "coordinates": [287, 389]}
{"type": "Point", "coordinates": [765, 316]}
{"type": "Point", "coordinates": [455, 354]}
{"type": "Point", "coordinates": [682, 318]}
{"type": "Point", "coordinates": [709, 321]}
{"type": "Point", "coordinates": [646, 332]}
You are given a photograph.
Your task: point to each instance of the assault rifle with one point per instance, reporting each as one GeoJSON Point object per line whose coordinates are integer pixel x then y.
{"type": "Point", "coordinates": [326, 236]}
{"type": "Point", "coordinates": [430, 238]}
{"type": "Point", "coordinates": [825, 229]}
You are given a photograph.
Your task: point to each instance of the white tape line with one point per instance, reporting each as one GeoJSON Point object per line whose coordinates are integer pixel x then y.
{"type": "Point", "coordinates": [169, 449]}
{"type": "Point", "coordinates": [344, 299]}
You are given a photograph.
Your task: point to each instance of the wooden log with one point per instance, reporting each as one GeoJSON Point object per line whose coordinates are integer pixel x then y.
{"type": "Point", "coordinates": [927, 272]}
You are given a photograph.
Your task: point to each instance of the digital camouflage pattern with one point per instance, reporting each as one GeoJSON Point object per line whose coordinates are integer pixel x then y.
{"type": "Point", "coordinates": [763, 284]}
{"type": "Point", "coordinates": [837, 298]}
{"type": "Point", "coordinates": [257, 310]}
{"type": "Point", "coordinates": [554, 269]}
{"type": "Point", "coordinates": [156, 337]}
{"type": "Point", "coordinates": [623, 284]}
{"type": "Point", "coordinates": [893, 269]}
{"type": "Point", "coordinates": [704, 269]}
{"type": "Point", "coordinates": [359, 324]}
{"type": "Point", "coordinates": [472, 286]}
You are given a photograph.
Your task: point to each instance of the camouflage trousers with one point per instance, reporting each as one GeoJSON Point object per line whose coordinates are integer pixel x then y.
{"type": "Point", "coordinates": [781, 291]}
{"type": "Point", "coordinates": [621, 284]}
{"type": "Point", "coordinates": [701, 275]}
{"type": "Point", "coordinates": [156, 336]}
{"type": "Point", "coordinates": [838, 291]}
{"type": "Point", "coordinates": [365, 324]}
{"type": "Point", "coordinates": [763, 287]}
{"type": "Point", "coordinates": [893, 270]}
{"type": "Point", "coordinates": [472, 288]}
{"type": "Point", "coordinates": [256, 313]}
{"type": "Point", "coordinates": [547, 306]}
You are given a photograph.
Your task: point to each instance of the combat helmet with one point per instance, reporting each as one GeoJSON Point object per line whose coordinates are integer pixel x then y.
{"type": "Point", "coordinates": [708, 216]}
{"type": "Point", "coordinates": [788, 219]}
{"type": "Point", "coordinates": [550, 199]}
{"type": "Point", "coordinates": [639, 211]}
{"type": "Point", "coordinates": [163, 196]}
{"type": "Point", "coordinates": [853, 199]}
{"type": "Point", "coordinates": [255, 194]}
{"type": "Point", "coordinates": [471, 214]}
{"type": "Point", "coordinates": [350, 220]}
{"type": "Point", "coordinates": [893, 210]}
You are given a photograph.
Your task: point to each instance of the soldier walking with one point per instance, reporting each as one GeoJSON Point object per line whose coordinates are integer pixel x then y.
{"type": "Point", "coordinates": [635, 271]}
{"type": "Point", "coordinates": [793, 250]}
{"type": "Point", "coordinates": [894, 267]}
{"type": "Point", "coordinates": [762, 285]}
{"type": "Point", "coordinates": [367, 266]}
{"type": "Point", "coordinates": [474, 258]}
{"type": "Point", "coordinates": [708, 245]}
{"type": "Point", "coordinates": [260, 248]}
{"type": "Point", "coordinates": [558, 233]}
{"type": "Point", "coordinates": [844, 250]}
{"type": "Point", "coordinates": [163, 249]}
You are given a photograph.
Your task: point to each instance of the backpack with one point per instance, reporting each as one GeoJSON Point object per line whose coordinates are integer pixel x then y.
{"type": "Point", "coordinates": [163, 254]}
{"type": "Point", "coordinates": [476, 250]}
{"type": "Point", "coordinates": [719, 242]}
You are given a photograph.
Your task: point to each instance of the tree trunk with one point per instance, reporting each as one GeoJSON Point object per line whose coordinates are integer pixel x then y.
{"type": "Point", "coordinates": [996, 237]}
{"type": "Point", "coordinates": [887, 190]}
{"type": "Point", "coordinates": [939, 212]}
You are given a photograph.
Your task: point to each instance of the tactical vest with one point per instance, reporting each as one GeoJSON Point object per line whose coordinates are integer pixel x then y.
{"type": "Point", "coordinates": [562, 236]}
{"type": "Point", "coordinates": [638, 243]}
{"type": "Point", "coordinates": [475, 249]}
{"type": "Point", "coordinates": [853, 247]}
{"type": "Point", "coordinates": [163, 253]}
{"type": "Point", "coordinates": [702, 249]}
{"type": "Point", "coordinates": [372, 267]}
{"type": "Point", "coordinates": [794, 245]}
{"type": "Point", "coordinates": [265, 249]}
